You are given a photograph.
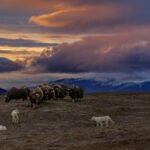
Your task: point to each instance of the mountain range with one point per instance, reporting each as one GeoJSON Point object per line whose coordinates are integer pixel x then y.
{"type": "Point", "coordinates": [92, 85]}
{"type": "Point", "coordinates": [2, 91]}
{"type": "Point", "coordinates": [110, 85]}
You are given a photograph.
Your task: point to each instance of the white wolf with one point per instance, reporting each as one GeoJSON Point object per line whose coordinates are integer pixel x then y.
{"type": "Point", "coordinates": [15, 116]}
{"type": "Point", "coordinates": [103, 121]}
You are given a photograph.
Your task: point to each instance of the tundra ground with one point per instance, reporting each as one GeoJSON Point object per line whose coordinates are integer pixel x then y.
{"type": "Point", "coordinates": [64, 125]}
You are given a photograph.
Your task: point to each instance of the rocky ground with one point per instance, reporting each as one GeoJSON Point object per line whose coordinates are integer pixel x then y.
{"type": "Point", "coordinates": [64, 125]}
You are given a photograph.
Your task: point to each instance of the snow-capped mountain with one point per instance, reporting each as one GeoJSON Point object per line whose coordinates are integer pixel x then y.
{"type": "Point", "coordinates": [2, 91]}
{"type": "Point", "coordinates": [92, 85]}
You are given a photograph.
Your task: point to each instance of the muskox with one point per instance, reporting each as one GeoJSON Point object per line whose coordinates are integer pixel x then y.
{"type": "Point", "coordinates": [48, 92]}
{"type": "Point", "coordinates": [17, 93]}
{"type": "Point", "coordinates": [57, 89]}
{"type": "Point", "coordinates": [60, 91]}
{"type": "Point", "coordinates": [51, 93]}
{"type": "Point", "coordinates": [45, 90]}
{"type": "Point", "coordinates": [64, 90]}
{"type": "Point", "coordinates": [36, 96]}
{"type": "Point", "coordinates": [76, 93]}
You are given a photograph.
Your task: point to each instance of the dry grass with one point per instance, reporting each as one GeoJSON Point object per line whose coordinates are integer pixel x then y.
{"type": "Point", "coordinates": [63, 125]}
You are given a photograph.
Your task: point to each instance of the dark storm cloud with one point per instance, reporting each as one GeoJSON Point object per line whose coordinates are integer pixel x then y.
{"type": "Point", "coordinates": [7, 65]}
{"type": "Point", "coordinates": [23, 43]}
{"type": "Point", "coordinates": [95, 55]}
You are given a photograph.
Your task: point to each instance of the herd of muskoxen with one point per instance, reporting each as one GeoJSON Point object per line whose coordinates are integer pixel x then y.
{"type": "Point", "coordinates": [44, 92]}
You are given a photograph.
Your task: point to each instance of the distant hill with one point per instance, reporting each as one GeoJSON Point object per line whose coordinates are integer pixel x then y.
{"type": "Point", "coordinates": [91, 85]}
{"type": "Point", "coordinates": [2, 91]}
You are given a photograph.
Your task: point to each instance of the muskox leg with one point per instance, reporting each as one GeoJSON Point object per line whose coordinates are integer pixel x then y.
{"type": "Point", "coordinates": [31, 105]}
{"type": "Point", "coordinates": [79, 99]}
{"type": "Point", "coordinates": [73, 100]}
{"type": "Point", "coordinates": [34, 106]}
{"type": "Point", "coordinates": [46, 98]}
{"type": "Point", "coordinates": [76, 100]}
{"type": "Point", "coordinates": [36, 103]}
{"type": "Point", "coordinates": [29, 102]}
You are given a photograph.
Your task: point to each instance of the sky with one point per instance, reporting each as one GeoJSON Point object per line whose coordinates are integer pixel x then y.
{"type": "Point", "coordinates": [43, 40]}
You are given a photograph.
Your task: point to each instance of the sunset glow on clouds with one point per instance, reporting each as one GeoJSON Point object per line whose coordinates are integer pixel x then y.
{"type": "Point", "coordinates": [74, 36]}
{"type": "Point", "coordinates": [63, 18]}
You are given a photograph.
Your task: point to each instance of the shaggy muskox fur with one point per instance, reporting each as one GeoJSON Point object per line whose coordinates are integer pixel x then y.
{"type": "Point", "coordinates": [51, 94]}
{"type": "Point", "coordinates": [36, 96]}
{"type": "Point", "coordinates": [17, 93]}
{"type": "Point", "coordinates": [60, 91]}
{"type": "Point", "coordinates": [45, 90]}
{"type": "Point", "coordinates": [76, 93]}
{"type": "Point", "coordinates": [48, 91]}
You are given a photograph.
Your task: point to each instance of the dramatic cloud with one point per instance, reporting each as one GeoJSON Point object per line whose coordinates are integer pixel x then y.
{"type": "Point", "coordinates": [7, 65]}
{"type": "Point", "coordinates": [80, 18]}
{"type": "Point", "coordinates": [23, 43]}
{"type": "Point", "coordinates": [92, 16]}
{"type": "Point", "coordinates": [70, 16]}
{"type": "Point", "coordinates": [98, 54]}
{"type": "Point", "coordinates": [108, 37]}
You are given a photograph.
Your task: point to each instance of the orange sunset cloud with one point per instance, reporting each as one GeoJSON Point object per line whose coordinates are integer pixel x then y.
{"type": "Point", "coordinates": [79, 15]}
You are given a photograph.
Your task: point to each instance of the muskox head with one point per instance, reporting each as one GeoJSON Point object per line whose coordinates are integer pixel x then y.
{"type": "Point", "coordinates": [69, 90]}
{"type": "Point", "coordinates": [52, 92]}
